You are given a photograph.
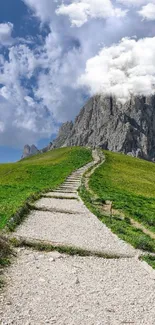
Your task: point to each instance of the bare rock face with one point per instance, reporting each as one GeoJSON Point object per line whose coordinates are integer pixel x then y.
{"type": "Point", "coordinates": [104, 122]}
{"type": "Point", "coordinates": [48, 148]}
{"type": "Point", "coordinates": [29, 151]}
{"type": "Point", "coordinates": [63, 135]}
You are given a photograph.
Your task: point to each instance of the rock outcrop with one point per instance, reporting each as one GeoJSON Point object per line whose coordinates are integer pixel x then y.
{"type": "Point", "coordinates": [104, 122]}
{"type": "Point", "coordinates": [48, 148]}
{"type": "Point", "coordinates": [63, 135]}
{"type": "Point", "coordinates": [29, 151]}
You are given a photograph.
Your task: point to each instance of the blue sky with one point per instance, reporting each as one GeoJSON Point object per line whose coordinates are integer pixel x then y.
{"type": "Point", "coordinates": [54, 56]}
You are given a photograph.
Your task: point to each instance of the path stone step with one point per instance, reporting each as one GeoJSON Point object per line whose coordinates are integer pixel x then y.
{"type": "Point", "coordinates": [65, 191]}
{"type": "Point", "coordinates": [82, 230]}
{"type": "Point", "coordinates": [76, 180]}
{"type": "Point", "coordinates": [62, 195]}
{"type": "Point", "coordinates": [64, 205]}
{"type": "Point", "coordinates": [72, 181]}
{"type": "Point", "coordinates": [69, 187]}
{"type": "Point", "coordinates": [74, 177]}
{"type": "Point", "coordinates": [75, 187]}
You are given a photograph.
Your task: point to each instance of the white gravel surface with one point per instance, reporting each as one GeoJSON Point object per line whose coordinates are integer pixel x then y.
{"type": "Point", "coordinates": [61, 195]}
{"type": "Point", "coordinates": [50, 289]}
{"type": "Point", "coordinates": [64, 205]}
{"type": "Point", "coordinates": [82, 230]}
{"type": "Point", "coordinates": [78, 228]}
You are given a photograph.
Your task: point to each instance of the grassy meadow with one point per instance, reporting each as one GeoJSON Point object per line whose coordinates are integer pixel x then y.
{"type": "Point", "coordinates": [29, 177]}
{"type": "Point", "coordinates": [130, 184]}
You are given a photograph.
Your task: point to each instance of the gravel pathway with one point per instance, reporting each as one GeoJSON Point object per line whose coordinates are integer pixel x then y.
{"type": "Point", "coordinates": [50, 288]}
{"type": "Point", "coordinates": [81, 230]}
{"type": "Point", "coordinates": [54, 289]}
{"type": "Point", "coordinates": [69, 222]}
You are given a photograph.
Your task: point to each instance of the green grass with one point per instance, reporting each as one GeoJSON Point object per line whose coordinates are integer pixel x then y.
{"type": "Point", "coordinates": [130, 184]}
{"type": "Point", "coordinates": [149, 259]}
{"type": "Point", "coordinates": [123, 228]}
{"type": "Point", "coordinates": [25, 179]}
{"type": "Point", "coordinates": [5, 254]}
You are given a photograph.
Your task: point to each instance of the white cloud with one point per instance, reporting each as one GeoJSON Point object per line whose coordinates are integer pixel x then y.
{"type": "Point", "coordinates": [134, 3]}
{"type": "Point", "coordinates": [42, 8]}
{"type": "Point", "coordinates": [2, 127]}
{"type": "Point", "coordinates": [5, 33]}
{"type": "Point", "coordinates": [38, 82]}
{"type": "Point", "coordinates": [122, 69]}
{"type": "Point", "coordinates": [148, 11]}
{"type": "Point", "coordinates": [20, 115]}
{"type": "Point", "coordinates": [80, 11]}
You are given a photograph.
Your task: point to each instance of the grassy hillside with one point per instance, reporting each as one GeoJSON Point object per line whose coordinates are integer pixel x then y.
{"type": "Point", "coordinates": [21, 180]}
{"type": "Point", "coordinates": [130, 184]}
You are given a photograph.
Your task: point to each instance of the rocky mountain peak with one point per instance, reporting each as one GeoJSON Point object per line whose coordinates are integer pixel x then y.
{"type": "Point", "coordinates": [29, 151]}
{"type": "Point", "coordinates": [104, 122]}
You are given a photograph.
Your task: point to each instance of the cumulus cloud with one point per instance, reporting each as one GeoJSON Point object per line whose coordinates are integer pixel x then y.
{"type": "Point", "coordinates": [81, 11]}
{"type": "Point", "coordinates": [135, 3]}
{"type": "Point", "coordinates": [5, 33]}
{"type": "Point", "coordinates": [43, 9]}
{"type": "Point", "coordinates": [148, 11]}
{"type": "Point", "coordinates": [40, 84]}
{"type": "Point", "coordinates": [122, 69]}
{"type": "Point", "coordinates": [2, 127]}
{"type": "Point", "coordinates": [20, 113]}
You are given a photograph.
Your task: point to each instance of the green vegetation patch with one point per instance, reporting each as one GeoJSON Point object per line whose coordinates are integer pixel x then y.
{"type": "Point", "coordinates": [130, 184]}
{"type": "Point", "coordinates": [123, 228]}
{"type": "Point", "coordinates": [149, 259]}
{"type": "Point", "coordinates": [5, 255]}
{"type": "Point", "coordinates": [29, 177]}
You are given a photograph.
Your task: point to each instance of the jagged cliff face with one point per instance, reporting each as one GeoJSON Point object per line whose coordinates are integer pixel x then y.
{"type": "Point", "coordinates": [104, 122]}
{"type": "Point", "coordinates": [63, 135]}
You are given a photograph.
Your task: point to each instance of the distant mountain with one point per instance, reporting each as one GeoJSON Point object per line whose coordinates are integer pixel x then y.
{"type": "Point", "coordinates": [29, 151]}
{"type": "Point", "coordinates": [104, 122]}
{"type": "Point", "coordinates": [33, 150]}
{"type": "Point", "coordinates": [48, 148]}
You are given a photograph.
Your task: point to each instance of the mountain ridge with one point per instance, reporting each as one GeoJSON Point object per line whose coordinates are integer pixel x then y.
{"type": "Point", "coordinates": [106, 123]}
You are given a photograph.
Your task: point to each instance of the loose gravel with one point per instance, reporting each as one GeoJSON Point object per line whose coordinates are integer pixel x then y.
{"type": "Point", "coordinates": [61, 195]}
{"type": "Point", "coordinates": [59, 204]}
{"type": "Point", "coordinates": [54, 289]}
{"type": "Point", "coordinates": [81, 230]}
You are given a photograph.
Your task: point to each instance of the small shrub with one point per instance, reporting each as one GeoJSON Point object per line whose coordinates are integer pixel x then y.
{"type": "Point", "coordinates": [127, 220]}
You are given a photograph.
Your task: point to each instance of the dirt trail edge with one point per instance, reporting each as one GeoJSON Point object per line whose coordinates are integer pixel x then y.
{"type": "Point", "coordinates": [77, 287]}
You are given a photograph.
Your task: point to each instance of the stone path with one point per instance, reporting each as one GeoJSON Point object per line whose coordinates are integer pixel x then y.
{"type": "Point", "coordinates": [51, 288]}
